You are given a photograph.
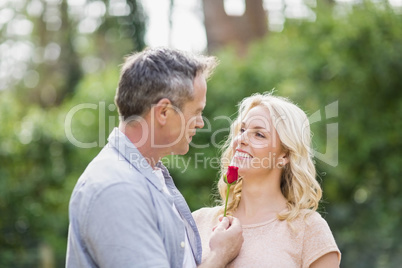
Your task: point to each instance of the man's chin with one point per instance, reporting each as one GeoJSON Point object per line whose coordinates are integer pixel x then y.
{"type": "Point", "coordinates": [180, 151]}
{"type": "Point", "coordinates": [184, 150]}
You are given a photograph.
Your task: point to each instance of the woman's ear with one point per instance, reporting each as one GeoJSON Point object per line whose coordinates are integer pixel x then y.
{"type": "Point", "coordinates": [160, 111]}
{"type": "Point", "coordinates": [284, 158]}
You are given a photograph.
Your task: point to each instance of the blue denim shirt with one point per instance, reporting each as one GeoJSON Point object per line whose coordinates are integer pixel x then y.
{"type": "Point", "coordinates": [120, 216]}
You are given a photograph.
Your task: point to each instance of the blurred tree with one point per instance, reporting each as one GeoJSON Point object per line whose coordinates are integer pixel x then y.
{"type": "Point", "coordinates": [58, 60]}
{"type": "Point", "coordinates": [223, 29]}
{"type": "Point", "coordinates": [59, 70]}
{"type": "Point", "coordinates": [42, 154]}
{"type": "Point", "coordinates": [170, 18]}
{"type": "Point", "coordinates": [63, 40]}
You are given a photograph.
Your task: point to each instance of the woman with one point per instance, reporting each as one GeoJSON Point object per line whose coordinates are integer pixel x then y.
{"type": "Point", "coordinates": [277, 195]}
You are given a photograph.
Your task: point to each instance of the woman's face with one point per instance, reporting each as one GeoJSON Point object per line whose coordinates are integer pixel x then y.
{"type": "Point", "coordinates": [257, 147]}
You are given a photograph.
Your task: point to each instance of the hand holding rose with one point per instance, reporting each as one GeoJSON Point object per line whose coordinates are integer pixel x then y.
{"type": "Point", "coordinates": [225, 242]}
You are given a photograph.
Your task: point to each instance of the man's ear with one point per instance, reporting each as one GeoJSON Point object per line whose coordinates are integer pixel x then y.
{"type": "Point", "coordinates": [161, 111]}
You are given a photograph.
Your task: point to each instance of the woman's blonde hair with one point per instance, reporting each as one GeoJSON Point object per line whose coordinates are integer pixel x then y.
{"type": "Point", "coordinates": [298, 182]}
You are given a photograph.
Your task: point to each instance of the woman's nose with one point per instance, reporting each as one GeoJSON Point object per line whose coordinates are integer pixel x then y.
{"type": "Point", "coordinates": [242, 138]}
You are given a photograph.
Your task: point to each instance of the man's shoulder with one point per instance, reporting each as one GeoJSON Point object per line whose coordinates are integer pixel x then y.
{"type": "Point", "coordinates": [106, 181]}
{"type": "Point", "coordinates": [109, 160]}
{"type": "Point", "coordinates": [108, 169]}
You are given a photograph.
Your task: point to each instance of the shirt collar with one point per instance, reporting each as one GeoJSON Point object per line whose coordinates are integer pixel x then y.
{"type": "Point", "coordinates": [128, 152]}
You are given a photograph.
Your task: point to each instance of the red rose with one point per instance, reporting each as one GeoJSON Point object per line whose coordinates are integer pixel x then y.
{"type": "Point", "coordinates": [232, 174]}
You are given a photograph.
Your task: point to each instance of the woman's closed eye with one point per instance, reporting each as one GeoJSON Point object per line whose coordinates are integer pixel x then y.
{"type": "Point", "coordinates": [260, 135]}
{"type": "Point", "coordinates": [257, 133]}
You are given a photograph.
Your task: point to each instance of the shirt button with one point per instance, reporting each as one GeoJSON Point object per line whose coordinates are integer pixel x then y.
{"type": "Point", "coordinates": [182, 244]}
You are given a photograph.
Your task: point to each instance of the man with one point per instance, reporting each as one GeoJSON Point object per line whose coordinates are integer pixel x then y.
{"type": "Point", "coordinates": [125, 210]}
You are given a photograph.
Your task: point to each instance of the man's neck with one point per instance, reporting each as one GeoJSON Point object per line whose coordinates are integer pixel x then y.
{"type": "Point", "coordinates": [139, 136]}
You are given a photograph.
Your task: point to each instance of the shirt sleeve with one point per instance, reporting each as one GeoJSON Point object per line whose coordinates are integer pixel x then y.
{"type": "Point", "coordinates": [318, 240]}
{"type": "Point", "coordinates": [121, 229]}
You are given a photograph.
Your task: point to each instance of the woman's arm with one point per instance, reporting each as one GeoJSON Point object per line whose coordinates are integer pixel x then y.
{"type": "Point", "coordinates": [329, 260]}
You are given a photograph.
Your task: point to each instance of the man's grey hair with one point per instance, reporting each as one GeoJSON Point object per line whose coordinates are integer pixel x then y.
{"type": "Point", "coordinates": [153, 74]}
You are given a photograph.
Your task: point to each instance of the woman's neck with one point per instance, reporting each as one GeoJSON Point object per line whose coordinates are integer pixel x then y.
{"type": "Point", "coordinates": [261, 200]}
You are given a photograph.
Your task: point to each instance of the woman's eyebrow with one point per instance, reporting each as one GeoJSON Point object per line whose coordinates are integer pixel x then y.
{"type": "Point", "coordinates": [255, 127]}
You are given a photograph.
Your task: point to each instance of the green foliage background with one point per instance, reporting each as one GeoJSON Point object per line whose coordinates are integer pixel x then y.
{"type": "Point", "coordinates": [353, 58]}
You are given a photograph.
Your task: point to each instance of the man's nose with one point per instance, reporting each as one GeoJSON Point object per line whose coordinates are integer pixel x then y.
{"type": "Point", "coordinates": [199, 122]}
